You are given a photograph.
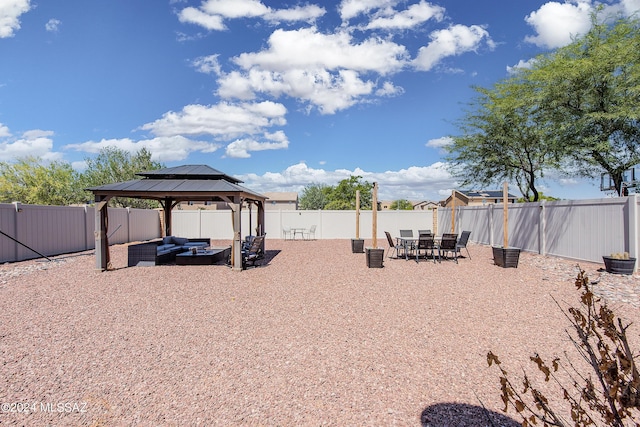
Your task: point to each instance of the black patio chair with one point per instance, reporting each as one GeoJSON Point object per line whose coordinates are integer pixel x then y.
{"type": "Point", "coordinates": [448, 245]}
{"type": "Point", "coordinates": [254, 252]}
{"type": "Point", "coordinates": [393, 246]}
{"type": "Point", "coordinates": [462, 243]}
{"type": "Point", "coordinates": [426, 242]}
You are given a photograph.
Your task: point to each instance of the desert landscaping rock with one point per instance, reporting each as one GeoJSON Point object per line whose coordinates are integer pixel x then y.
{"type": "Point", "coordinates": [313, 337]}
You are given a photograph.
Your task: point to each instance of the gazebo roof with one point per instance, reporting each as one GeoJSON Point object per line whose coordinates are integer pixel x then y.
{"type": "Point", "coordinates": [189, 172]}
{"type": "Point", "coordinates": [186, 183]}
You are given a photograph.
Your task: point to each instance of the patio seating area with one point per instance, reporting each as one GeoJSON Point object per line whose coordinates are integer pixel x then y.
{"type": "Point", "coordinates": [311, 337]}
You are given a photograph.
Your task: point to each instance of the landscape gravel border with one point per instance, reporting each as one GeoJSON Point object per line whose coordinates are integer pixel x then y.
{"type": "Point", "coordinates": [312, 337]}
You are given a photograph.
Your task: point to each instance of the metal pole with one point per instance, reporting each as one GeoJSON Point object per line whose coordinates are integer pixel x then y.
{"type": "Point", "coordinates": [20, 243]}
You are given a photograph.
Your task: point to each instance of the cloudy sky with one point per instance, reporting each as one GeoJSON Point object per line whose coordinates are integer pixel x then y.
{"type": "Point", "coordinates": [278, 94]}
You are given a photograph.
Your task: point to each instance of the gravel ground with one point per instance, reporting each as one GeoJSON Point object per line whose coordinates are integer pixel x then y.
{"type": "Point", "coordinates": [313, 337]}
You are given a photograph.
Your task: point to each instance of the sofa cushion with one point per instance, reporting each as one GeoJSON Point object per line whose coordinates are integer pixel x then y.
{"type": "Point", "coordinates": [180, 240]}
{"type": "Point", "coordinates": [165, 247]}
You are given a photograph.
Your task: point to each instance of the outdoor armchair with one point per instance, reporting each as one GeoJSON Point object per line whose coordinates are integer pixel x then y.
{"type": "Point", "coordinates": [254, 252]}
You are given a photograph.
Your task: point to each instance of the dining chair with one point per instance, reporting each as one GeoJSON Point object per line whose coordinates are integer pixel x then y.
{"type": "Point", "coordinates": [426, 242]}
{"type": "Point", "coordinates": [286, 231]}
{"type": "Point", "coordinates": [393, 245]}
{"type": "Point", "coordinates": [448, 245]}
{"type": "Point", "coordinates": [462, 243]}
{"type": "Point", "coordinates": [409, 246]}
{"type": "Point", "coordinates": [312, 230]}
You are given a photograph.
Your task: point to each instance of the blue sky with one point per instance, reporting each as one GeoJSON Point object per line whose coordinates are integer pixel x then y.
{"type": "Point", "coordinates": [278, 94]}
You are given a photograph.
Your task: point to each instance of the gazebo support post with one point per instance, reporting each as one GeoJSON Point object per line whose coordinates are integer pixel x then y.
{"type": "Point", "coordinates": [100, 233]}
{"type": "Point", "coordinates": [237, 236]}
{"type": "Point", "coordinates": [167, 205]}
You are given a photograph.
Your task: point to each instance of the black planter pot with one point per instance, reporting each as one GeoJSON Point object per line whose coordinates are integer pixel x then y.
{"type": "Point", "coordinates": [506, 257]}
{"type": "Point", "coordinates": [619, 266]}
{"type": "Point", "coordinates": [374, 256]}
{"type": "Point", "coordinates": [357, 246]}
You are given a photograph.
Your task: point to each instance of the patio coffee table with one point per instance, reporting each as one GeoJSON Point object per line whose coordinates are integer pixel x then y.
{"type": "Point", "coordinates": [204, 257]}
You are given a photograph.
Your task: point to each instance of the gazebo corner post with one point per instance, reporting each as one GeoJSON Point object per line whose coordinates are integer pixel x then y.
{"type": "Point", "coordinates": [237, 236]}
{"type": "Point", "coordinates": [100, 233]}
{"type": "Point", "coordinates": [167, 206]}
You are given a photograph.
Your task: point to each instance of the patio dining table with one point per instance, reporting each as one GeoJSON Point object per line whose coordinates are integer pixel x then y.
{"type": "Point", "coordinates": [298, 230]}
{"type": "Point", "coordinates": [412, 242]}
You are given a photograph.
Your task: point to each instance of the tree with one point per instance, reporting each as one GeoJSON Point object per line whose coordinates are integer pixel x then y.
{"type": "Point", "coordinates": [343, 196]}
{"type": "Point", "coordinates": [115, 165]}
{"type": "Point", "coordinates": [403, 205]}
{"type": "Point", "coordinates": [314, 197]}
{"type": "Point", "coordinates": [503, 139]}
{"type": "Point", "coordinates": [31, 181]}
{"type": "Point", "coordinates": [590, 94]}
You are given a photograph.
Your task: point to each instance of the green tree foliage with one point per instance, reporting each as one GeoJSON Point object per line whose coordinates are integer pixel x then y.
{"type": "Point", "coordinates": [403, 205]}
{"type": "Point", "coordinates": [503, 140]}
{"type": "Point", "coordinates": [115, 165]}
{"type": "Point", "coordinates": [343, 196]}
{"type": "Point", "coordinates": [31, 181]}
{"type": "Point", "coordinates": [590, 93]}
{"type": "Point", "coordinates": [314, 197]}
{"type": "Point", "coordinates": [575, 110]}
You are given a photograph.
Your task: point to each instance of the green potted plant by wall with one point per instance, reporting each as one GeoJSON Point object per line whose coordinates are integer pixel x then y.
{"type": "Point", "coordinates": [357, 244]}
{"type": "Point", "coordinates": [619, 263]}
{"type": "Point", "coordinates": [506, 256]}
{"type": "Point", "coordinates": [375, 255]}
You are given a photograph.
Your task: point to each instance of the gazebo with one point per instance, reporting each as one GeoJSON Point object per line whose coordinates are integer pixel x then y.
{"type": "Point", "coordinates": [170, 186]}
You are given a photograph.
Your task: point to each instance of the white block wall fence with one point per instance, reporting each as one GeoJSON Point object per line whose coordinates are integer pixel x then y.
{"type": "Point", "coordinates": [574, 229]}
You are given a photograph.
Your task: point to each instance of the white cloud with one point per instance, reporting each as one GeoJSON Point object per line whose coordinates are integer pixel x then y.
{"type": "Point", "coordinates": [207, 65]}
{"type": "Point", "coordinates": [10, 11]}
{"type": "Point", "coordinates": [212, 13]}
{"type": "Point", "coordinates": [414, 183]}
{"type": "Point", "coordinates": [192, 15]}
{"type": "Point", "coordinates": [413, 16]}
{"type": "Point", "coordinates": [224, 120]}
{"type": "Point", "coordinates": [439, 142]}
{"type": "Point", "coordinates": [53, 25]}
{"type": "Point", "coordinates": [272, 141]}
{"type": "Point", "coordinates": [455, 40]}
{"type": "Point", "coordinates": [307, 48]}
{"type": "Point", "coordinates": [308, 13]}
{"type": "Point", "coordinates": [247, 123]}
{"type": "Point", "coordinates": [235, 8]}
{"type": "Point", "coordinates": [36, 143]}
{"type": "Point", "coordinates": [555, 23]}
{"type": "Point", "coordinates": [631, 7]}
{"type": "Point", "coordinates": [349, 9]}
{"type": "Point", "coordinates": [163, 149]}
{"type": "Point", "coordinates": [323, 70]}
{"type": "Point", "coordinates": [4, 131]}
{"type": "Point", "coordinates": [389, 89]}
{"type": "Point", "coordinates": [520, 65]}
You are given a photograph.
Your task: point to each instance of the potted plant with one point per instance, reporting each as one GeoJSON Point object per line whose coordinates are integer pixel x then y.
{"type": "Point", "coordinates": [357, 244]}
{"type": "Point", "coordinates": [506, 256]}
{"type": "Point", "coordinates": [619, 263]}
{"type": "Point", "coordinates": [375, 255]}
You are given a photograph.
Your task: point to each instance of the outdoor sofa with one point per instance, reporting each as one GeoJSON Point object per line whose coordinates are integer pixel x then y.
{"type": "Point", "coordinates": [163, 251]}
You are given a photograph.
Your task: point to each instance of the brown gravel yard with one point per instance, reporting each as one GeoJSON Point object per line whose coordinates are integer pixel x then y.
{"type": "Point", "coordinates": [312, 338]}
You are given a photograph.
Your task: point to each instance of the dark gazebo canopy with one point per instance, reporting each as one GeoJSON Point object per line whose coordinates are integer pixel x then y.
{"type": "Point", "coordinates": [173, 185]}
